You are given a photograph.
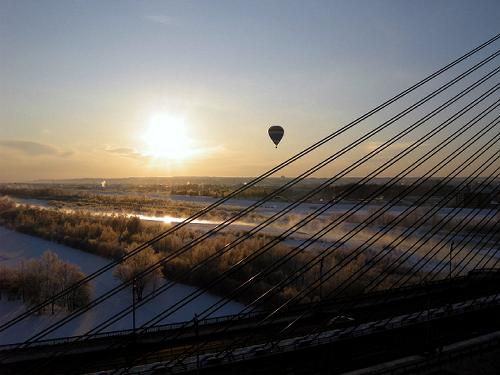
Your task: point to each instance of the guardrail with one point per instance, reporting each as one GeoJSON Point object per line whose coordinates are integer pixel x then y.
{"type": "Point", "coordinates": [120, 333]}
{"type": "Point", "coordinates": [469, 348]}
{"type": "Point", "coordinates": [304, 342]}
{"type": "Point", "coordinates": [236, 317]}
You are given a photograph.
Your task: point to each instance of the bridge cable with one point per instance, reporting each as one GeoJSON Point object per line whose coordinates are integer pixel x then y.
{"type": "Point", "coordinates": [239, 190]}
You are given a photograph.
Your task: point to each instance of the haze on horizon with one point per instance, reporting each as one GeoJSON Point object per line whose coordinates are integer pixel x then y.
{"type": "Point", "coordinates": [164, 88]}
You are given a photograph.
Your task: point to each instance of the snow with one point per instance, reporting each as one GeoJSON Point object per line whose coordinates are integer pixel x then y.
{"type": "Point", "coordinates": [271, 208]}
{"type": "Point", "coordinates": [296, 238]}
{"type": "Point", "coordinates": [15, 246]}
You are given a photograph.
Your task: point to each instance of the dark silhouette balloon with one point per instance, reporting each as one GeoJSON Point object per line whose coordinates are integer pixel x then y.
{"type": "Point", "coordinates": [276, 133]}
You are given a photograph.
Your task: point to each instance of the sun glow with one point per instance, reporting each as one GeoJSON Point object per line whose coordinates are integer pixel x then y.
{"type": "Point", "coordinates": [167, 138]}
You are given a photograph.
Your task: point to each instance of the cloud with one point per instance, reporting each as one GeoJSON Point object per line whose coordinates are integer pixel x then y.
{"type": "Point", "coordinates": [31, 148]}
{"type": "Point", "coordinates": [397, 146]}
{"type": "Point", "coordinates": [126, 152]}
{"type": "Point", "coordinates": [161, 19]}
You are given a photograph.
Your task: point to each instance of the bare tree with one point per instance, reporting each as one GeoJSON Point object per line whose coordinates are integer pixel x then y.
{"type": "Point", "coordinates": [133, 266]}
{"type": "Point", "coordinates": [36, 280]}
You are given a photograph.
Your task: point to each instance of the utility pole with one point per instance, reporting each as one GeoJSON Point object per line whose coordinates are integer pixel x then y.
{"type": "Point", "coordinates": [197, 333]}
{"type": "Point", "coordinates": [321, 278]}
{"type": "Point", "coordinates": [451, 250]}
{"type": "Point", "coordinates": [134, 292]}
{"type": "Point", "coordinates": [427, 324]}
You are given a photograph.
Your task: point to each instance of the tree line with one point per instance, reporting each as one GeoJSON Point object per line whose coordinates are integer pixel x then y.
{"type": "Point", "coordinates": [36, 280]}
{"type": "Point", "coordinates": [113, 236]}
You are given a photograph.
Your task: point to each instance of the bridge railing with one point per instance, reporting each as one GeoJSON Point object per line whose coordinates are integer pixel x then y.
{"type": "Point", "coordinates": [220, 319]}
{"type": "Point", "coordinates": [305, 342]}
{"type": "Point", "coordinates": [120, 333]}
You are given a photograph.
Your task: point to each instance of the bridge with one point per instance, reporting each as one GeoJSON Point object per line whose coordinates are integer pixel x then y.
{"type": "Point", "coordinates": [470, 302]}
{"type": "Point", "coordinates": [388, 293]}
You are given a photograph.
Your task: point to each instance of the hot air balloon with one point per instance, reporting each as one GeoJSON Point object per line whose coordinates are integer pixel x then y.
{"type": "Point", "coordinates": [276, 133]}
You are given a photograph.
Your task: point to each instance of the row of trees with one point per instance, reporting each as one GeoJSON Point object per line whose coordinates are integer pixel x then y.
{"type": "Point", "coordinates": [108, 236]}
{"type": "Point", "coordinates": [113, 236]}
{"type": "Point", "coordinates": [474, 223]}
{"type": "Point", "coordinates": [35, 280]}
{"type": "Point", "coordinates": [135, 203]}
{"type": "Point", "coordinates": [131, 269]}
{"type": "Point", "coordinates": [179, 268]}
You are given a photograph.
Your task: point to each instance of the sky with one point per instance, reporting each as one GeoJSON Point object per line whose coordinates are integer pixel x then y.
{"type": "Point", "coordinates": [92, 88]}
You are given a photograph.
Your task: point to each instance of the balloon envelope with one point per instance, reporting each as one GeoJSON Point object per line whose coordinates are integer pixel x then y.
{"type": "Point", "coordinates": [276, 133]}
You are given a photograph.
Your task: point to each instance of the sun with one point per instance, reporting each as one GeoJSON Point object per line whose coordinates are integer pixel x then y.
{"type": "Point", "coordinates": [166, 138]}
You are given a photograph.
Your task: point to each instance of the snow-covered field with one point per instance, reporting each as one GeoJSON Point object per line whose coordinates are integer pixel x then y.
{"type": "Point", "coordinates": [15, 246]}
{"type": "Point", "coordinates": [272, 207]}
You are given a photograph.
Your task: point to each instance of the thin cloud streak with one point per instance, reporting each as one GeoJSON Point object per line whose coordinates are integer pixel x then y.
{"type": "Point", "coordinates": [126, 152]}
{"type": "Point", "coordinates": [31, 148]}
{"type": "Point", "coordinates": [161, 19]}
